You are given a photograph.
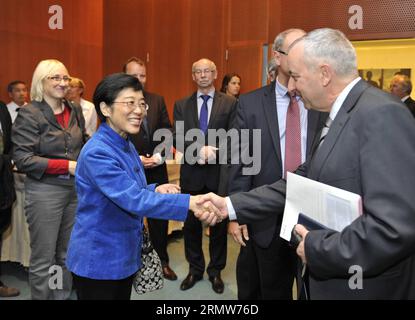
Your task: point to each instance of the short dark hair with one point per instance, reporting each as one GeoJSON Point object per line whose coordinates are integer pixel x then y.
{"type": "Point", "coordinates": [226, 79]}
{"type": "Point", "coordinates": [133, 59]}
{"type": "Point", "coordinates": [11, 85]}
{"type": "Point", "coordinates": [109, 88]}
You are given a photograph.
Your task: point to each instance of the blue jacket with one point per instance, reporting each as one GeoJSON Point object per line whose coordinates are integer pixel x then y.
{"type": "Point", "coordinates": [113, 197]}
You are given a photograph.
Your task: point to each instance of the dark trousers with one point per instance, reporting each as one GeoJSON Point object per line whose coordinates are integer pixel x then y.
{"type": "Point", "coordinates": [158, 234]}
{"type": "Point", "coordinates": [5, 218]}
{"type": "Point", "coordinates": [91, 289]}
{"type": "Point", "coordinates": [266, 274]}
{"type": "Point", "coordinates": [193, 234]}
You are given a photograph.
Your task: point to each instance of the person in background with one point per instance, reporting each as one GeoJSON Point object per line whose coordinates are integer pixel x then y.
{"type": "Point", "coordinates": [369, 76]}
{"type": "Point", "coordinates": [104, 249]}
{"type": "Point", "coordinates": [401, 86]}
{"type": "Point", "coordinates": [18, 94]}
{"type": "Point", "coordinates": [204, 109]}
{"type": "Point", "coordinates": [7, 195]}
{"type": "Point", "coordinates": [266, 264]}
{"type": "Point", "coordinates": [47, 137]}
{"type": "Point", "coordinates": [75, 92]}
{"type": "Point", "coordinates": [154, 165]}
{"type": "Point", "coordinates": [231, 84]}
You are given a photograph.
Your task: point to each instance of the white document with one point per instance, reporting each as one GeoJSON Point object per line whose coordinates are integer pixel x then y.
{"type": "Point", "coordinates": [332, 207]}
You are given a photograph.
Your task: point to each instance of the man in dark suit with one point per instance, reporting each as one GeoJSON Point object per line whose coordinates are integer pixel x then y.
{"type": "Point", "coordinates": [204, 109]}
{"type": "Point", "coordinates": [155, 167]}
{"type": "Point", "coordinates": [369, 150]}
{"type": "Point", "coordinates": [266, 264]}
{"type": "Point", "coordinates": [401, 86]}
{"type": "Point", "coordinates": [7, 195]}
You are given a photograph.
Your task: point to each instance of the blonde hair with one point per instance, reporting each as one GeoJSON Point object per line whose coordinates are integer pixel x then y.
{"type": "Point", "coordinates": [44, 69]}
{"type": "Point", "coordinates": [77, 82]}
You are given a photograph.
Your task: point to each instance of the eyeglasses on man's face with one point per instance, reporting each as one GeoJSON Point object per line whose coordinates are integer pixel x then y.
{"type": "Point", "coordinates": [60, 78]}
{"type": "Point", "coordinates": [282, 52]}
{"type": "Point", "coordinates": [131, 105]}
{"type": "Point", "coordinates": [205, 71]}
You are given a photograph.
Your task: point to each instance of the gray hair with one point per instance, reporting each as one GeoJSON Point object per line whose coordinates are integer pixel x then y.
{"type": "Point", "coordinates": [329, 46]}
{"type": "Point", "coordinates": [405, 82]}
{"type": "Point", "coordinates": [280, 38]}
{"type": "Point", "coordinates": [210, 62]}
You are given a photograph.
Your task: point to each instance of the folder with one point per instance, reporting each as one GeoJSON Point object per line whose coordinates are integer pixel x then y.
{"type": "Point", "coordinates": [310, 223]}
{"type": "Point", "coordinates": [317, 205]}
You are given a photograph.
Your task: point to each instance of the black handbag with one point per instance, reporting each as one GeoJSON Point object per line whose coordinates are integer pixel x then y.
{"type": "Point", "coordinates": [150, 275]}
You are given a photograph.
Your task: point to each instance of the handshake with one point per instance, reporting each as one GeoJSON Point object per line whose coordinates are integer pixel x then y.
{"type": "Point", "coordinates": [209, 208]}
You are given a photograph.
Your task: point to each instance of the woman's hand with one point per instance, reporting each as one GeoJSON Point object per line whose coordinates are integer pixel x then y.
{"type": "Point", "coordinates": [168, 188]}
{"type": "Point", "coordinates": [72, 167]}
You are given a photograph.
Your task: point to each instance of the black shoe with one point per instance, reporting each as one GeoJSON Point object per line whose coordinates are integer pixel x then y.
{"type": "Point", "coordinates": [189, 281]}
{"type": "Point", "coordinates": [217, 284]}
{"type": "Point", "coordinates": [168, 273]}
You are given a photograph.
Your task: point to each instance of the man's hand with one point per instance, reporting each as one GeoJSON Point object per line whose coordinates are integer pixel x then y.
{"type": "Point", "coordinates": [151, 162]}
{"type": "Point", "coordinates": [207, 154]}
{"type": "Point", "coordinates": [72, 167]}
{"type": "Point", "coordinates": [302, 231]}
{"type": "Point", "coordinates": [218, 202]}
{"type": "Point", "coordinates": [204, 211]}
{"type": "Point", "coordinates": [168, 188]}
{"type": "Point", "coordinates": [238, 232]}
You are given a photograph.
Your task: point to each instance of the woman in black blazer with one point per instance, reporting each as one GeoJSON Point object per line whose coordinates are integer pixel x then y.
{"type": "Point", "coordinates": [48, 135]}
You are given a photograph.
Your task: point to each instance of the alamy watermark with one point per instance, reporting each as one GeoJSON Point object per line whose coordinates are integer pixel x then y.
{"type": "Point", "coordinates": [356, 280]}
{"type": "Point", "coordinates": [56, 278]}
{"type": "Point", "coordinates": [234, 146]}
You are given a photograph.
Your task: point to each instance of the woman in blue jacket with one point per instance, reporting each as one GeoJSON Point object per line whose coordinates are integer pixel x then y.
{"type": "Point", "coordinates": [113, 196]}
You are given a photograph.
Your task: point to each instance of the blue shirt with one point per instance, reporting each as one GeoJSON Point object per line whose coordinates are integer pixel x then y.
{"type": "Point", "coordinates": [113, 197]}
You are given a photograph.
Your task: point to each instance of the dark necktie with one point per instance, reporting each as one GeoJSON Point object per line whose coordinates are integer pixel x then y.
{"type": "Point", "coordinates": [292, 137]}
{"type": "Point", "coordinates": [203, 119]}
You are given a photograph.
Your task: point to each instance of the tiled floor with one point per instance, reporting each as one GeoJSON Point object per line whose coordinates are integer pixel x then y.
{"type": "Point", "coordinates": [16, 276]}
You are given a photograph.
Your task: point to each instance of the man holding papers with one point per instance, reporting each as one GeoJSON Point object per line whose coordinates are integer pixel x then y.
{"type": "Point", "coordinates": [369, 150]}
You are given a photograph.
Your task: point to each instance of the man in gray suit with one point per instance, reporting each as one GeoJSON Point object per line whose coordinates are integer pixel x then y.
{"type": "Point", "coordinates": [369, 150]}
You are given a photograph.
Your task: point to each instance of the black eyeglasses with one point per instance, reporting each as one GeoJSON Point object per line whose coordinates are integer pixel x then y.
{"type": "Point", "coordinates": [282, 52]}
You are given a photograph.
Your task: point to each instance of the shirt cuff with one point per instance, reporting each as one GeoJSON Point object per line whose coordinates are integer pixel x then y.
{"type": "Point", "coordinates": [231, 210]}
{"type": "Point", "coordinates": [57, 166]}
{"type": "Point", "coordinates": [158, 158]}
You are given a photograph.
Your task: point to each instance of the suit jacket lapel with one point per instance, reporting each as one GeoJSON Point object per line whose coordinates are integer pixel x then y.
{"type": "Point", "coordinates": [319, 158]}
{"type": "Point", "coordinates": [217, 100]}
{"type": "Point", "coordinates": [73, 116]}
{"type": "Point", "coordinates": [47, 112]}
{"type": "Point", "coordinates": [192, 107]}
{"type": "Point", "coordinates": [313, 119]}
{"type": "Point", "coordinates": [269, 104]}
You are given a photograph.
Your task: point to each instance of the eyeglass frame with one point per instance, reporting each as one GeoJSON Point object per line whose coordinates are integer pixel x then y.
{"type": "Point", "coordinates": [282, 52]}
{"type": "Point", "coordinates": [130, 105]}
{"type": "Point", "coordinates": [206, 71]}
{"type": "Point", "coordinates": [58, 79]}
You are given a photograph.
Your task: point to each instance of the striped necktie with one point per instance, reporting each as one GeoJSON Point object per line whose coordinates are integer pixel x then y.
{"type": "Point", "coordinates": [325, 130]}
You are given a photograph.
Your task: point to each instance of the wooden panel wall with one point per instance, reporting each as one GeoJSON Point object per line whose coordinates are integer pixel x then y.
{"type": "Point", "coordinates": [174, 34]}
{"type": "Point", "coordinates": [26, 39]}
{"type": "Point", "coordinates": [100, 35]}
